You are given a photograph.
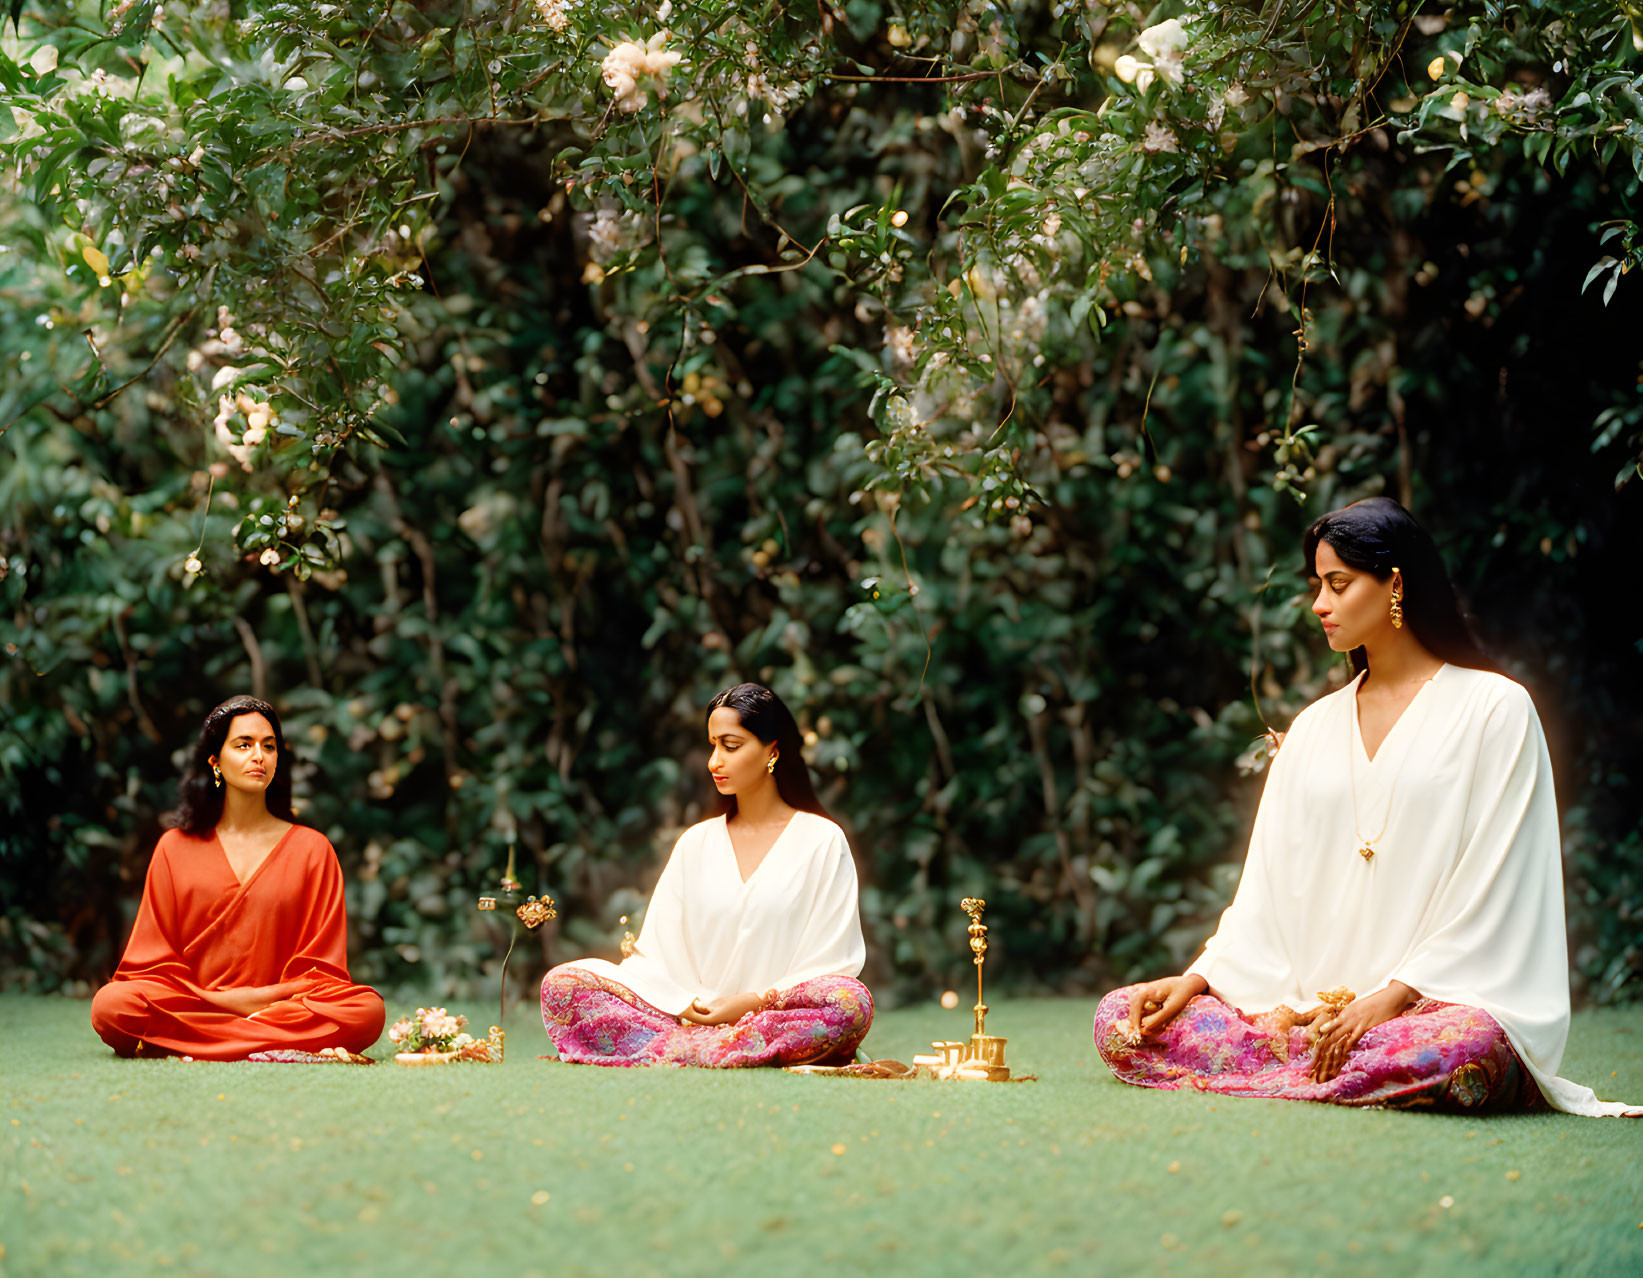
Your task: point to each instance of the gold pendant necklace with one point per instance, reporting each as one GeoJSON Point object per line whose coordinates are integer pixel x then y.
{"type": "Point", "coordinates": [1366, 847]}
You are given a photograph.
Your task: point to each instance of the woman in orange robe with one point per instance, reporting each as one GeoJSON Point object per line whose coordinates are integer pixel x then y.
{"type": "Point", "coordinates": [240, 944]}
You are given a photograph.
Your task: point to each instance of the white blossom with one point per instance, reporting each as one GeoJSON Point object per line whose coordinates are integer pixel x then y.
{"type": "Point", "coordinates": [605, 236]}
{"type": "Point", "coordinates": [629, 63]}
{"type": "Point", "coordinates": [1166, 39]}
{"type": "Point", "coordinates": [1164, 44]}
{"type": "Point", "coordinates": [1032, 317]}
{"type": "Point", "coordinates": [1158, 137]}
{"type": "Point", "coordinates": [1523, 108]}
{"type": "Point", "coordinates": [238, 451]}
{"type": "Point", "coordinates": [1051, 228]}
{"type": "Point", "coordinates": [553, 13]}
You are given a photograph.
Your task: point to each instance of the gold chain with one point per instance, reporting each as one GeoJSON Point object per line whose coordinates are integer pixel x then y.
{"type": "Point", "coordinates": [1366, 847]}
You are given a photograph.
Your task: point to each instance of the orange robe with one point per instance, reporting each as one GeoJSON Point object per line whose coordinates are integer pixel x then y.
{"type": "Point", "coordinates": [199, 926]}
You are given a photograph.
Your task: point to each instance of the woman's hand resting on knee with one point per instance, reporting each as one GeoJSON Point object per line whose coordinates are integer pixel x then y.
{"type": "Point", "coordinates": [1155, 1004]}
{"type": "Point", "coordinates": [1340, 1033]}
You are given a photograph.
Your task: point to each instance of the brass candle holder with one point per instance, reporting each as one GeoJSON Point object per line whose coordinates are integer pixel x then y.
{"type": "Point", "coordinates": [982, 1058]}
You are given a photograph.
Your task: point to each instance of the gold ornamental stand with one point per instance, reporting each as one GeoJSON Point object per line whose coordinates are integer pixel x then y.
{"type": "Point", "coordinates": [982, 1058]}
{"type": "Point", "coordinates": [527, 914]}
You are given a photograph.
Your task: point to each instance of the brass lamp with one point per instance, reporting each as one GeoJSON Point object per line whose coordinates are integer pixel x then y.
{"type": "Point", "coordinates": [982, 1058]}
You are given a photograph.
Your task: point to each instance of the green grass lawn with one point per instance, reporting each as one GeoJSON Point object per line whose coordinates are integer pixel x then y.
{"type": "Point", "coordinates": [533, 1167]}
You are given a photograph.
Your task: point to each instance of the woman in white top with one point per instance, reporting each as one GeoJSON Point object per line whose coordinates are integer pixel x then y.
{"type": "Point", "coordinates": [1404, 882]}
{"type": "Point", "coordinates": [752, 941]}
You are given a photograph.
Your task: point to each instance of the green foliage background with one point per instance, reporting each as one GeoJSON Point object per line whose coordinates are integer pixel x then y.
{"type": "Point", "coordinates": [909, 358]}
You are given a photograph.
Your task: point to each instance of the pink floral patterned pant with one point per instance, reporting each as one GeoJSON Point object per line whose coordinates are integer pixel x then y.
{"type": "Point", "coordinates": [596, 1021]}
{"type": "Point", "coordinates": [1434, 1056]}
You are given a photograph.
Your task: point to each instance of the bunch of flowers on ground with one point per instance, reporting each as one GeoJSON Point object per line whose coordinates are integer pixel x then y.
{"type": "Point", "coordinates": [432, 1029]}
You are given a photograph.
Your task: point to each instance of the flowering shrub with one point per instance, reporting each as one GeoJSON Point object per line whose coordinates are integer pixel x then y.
{"type": "Point", "coordinates": [491, 387]}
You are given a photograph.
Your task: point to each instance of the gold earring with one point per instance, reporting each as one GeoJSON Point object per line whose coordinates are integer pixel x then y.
{"type": "Point", "coordinates": [1397, 601]}
{"type": "Point", "coordinates": [217, 773]}
{"type": "Point", "coordinates": [771, 766]}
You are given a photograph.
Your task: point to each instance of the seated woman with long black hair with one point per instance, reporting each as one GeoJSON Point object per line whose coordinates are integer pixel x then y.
{"type": "Point", "coordinates": [240, 943]}
{"type": "Point", "coordinates": [1404, 885]}
{"type": "Point", "coordinates": [752, 940]}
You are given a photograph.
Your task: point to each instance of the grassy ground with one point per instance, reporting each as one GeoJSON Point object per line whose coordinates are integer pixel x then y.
{"type": "Point", "coordinates": [533, 1167]}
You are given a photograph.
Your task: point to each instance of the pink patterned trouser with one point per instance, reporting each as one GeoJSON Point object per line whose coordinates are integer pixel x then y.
{"type": "Point", "coordinates": [595, 1021]}
{"type": "Point", "coordinates": [1434, 1056]}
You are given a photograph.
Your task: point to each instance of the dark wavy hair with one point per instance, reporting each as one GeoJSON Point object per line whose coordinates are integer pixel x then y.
{"type": "Point", "coordinates": [767, 717]}
{"type": "Point", "coordinates": [200, 799]}
{"type": "Point", "coordinates": [1377, 535]}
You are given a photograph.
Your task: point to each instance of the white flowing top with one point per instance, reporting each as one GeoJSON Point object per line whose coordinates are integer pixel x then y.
{"type": "Point", "coordinates": [1463, 900]}
{"type": "Point", "coordinates": [708, 934]}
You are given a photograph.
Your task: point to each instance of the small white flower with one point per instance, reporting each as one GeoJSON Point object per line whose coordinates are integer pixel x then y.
{"type": "Point", "coordinates": [1522, 107]}
{"type": "Point", "coordinates": [1126, 68]}
{"type": "Point", "coordinates": [44, 59]}
{"type": "Point", "coordinates": [1166, 38]}
{"type": "Point", "coordinates": [1163, 44]}
{"type": "Point", "coordinates": [239, 451]}
{"type": "Point", "coordinates": [553, 13]}
{"type": "Point", "coordinates": [1158, 137]}
{"type": "Point", "coordinates": [629, 63]}
{"type": "Point", "coordinates": [605, 236]}
{"type": "Point", "coordinates": [1236, 95]}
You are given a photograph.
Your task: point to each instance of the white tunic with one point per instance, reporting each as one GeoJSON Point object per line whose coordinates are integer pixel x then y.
{"type": "Point", "coordinates": [708, 934]}
{"type": "Point", "coordinates": [1463, 900]}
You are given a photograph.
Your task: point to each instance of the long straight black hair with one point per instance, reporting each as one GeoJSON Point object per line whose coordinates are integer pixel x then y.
{"type": "Point", "coordinates": [1377, 535]}
{"type": "Point", "coordinates": [200, 799]}
{"type": "Point", "coordinates": [767, 717]}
